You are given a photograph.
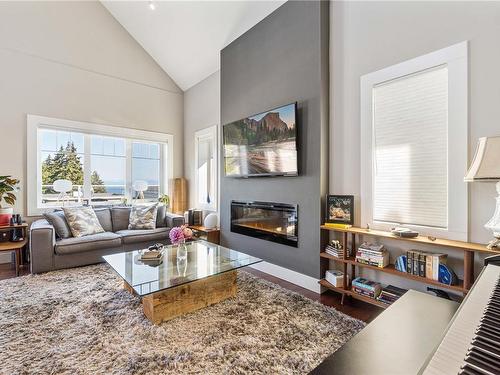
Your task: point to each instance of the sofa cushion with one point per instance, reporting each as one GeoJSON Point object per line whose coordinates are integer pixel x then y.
{"type": "Point", "coordinates": [91, 242]}
{"type": "Point", "coordinates": [161, 216]}
{"type": "Point", "coordinates": [104, 217]}
{"type": "Point", "coordinates": [120, 217]}
{"type": "Point", "coordinates": [144, 235]}
{"type": "Point", "coordinates": [58, 221]}
{"type": "Point", "coordinates": [82, 221]}
{"type": "Point", "coordinates": [143, 217]}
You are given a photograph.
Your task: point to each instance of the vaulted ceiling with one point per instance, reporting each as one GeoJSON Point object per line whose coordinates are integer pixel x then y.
{"type": "Point", "coordinates": [185, 37]}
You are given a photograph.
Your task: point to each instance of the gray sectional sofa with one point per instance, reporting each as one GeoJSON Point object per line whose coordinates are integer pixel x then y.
{"type": "Point", "coordinates": [48, 252]}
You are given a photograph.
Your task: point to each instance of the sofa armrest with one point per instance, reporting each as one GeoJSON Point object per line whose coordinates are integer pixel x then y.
{"type": "Point", "coordinates": [42, 242]}
{"type": "Point", "coordinates": [173, 220]}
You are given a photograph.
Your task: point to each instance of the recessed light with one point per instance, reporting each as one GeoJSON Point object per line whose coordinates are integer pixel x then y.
{"type": "Point", "coordinates": [152, 5]}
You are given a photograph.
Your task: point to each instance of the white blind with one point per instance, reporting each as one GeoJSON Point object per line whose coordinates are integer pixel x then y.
{"type": "Point", "coordinates": [410, 127]}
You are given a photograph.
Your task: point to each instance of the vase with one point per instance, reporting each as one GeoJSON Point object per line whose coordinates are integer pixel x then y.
{"type": "Point", "coordinates": [182, 250]}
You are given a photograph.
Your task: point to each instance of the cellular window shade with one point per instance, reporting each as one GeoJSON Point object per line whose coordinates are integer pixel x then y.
{"type": "Point", "coordinates": [410, 138]}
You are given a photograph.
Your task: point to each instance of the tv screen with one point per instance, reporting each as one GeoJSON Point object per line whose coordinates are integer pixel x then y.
{"type": "Point", "coordinates": [262, 145]}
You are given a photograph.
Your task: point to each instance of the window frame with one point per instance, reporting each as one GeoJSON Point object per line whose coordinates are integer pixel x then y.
{"type": "Point", "coordinates": [34, 177]}
{"type": "Point", "coordinates": [455, 58]}
{"type": "Point", "coordinates": [203, 134]}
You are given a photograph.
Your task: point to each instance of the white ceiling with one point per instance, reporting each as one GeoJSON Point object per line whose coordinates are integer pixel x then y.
{"type": "Point", "coordinates": [185, 37]}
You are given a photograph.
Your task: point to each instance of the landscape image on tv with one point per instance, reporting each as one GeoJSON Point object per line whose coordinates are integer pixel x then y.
{"type": "Point", "coordinates": [263, 144]}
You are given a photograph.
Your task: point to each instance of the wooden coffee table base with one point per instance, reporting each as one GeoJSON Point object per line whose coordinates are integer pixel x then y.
{"type": "Point", "coordinates": [182, 299]}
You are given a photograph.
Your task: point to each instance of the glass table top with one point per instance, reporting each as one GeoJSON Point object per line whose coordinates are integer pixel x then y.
{"type": "Point", "coordinates": [203, 259]}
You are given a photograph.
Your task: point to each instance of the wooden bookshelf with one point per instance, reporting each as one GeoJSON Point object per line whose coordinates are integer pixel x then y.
{"type": "Point", "coordinates": [469, 249]}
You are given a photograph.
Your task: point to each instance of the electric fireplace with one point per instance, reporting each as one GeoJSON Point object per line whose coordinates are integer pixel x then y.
{"type": "Point", "coordinates": [277, 222]}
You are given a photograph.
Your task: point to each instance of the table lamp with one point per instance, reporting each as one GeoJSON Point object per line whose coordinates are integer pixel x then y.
{"type": "Point", "coordinates": [486, 167]}
{"type": "Point", "coordinates": [140, 187]}
{"type": "Point", "coordinates": [62, 186]}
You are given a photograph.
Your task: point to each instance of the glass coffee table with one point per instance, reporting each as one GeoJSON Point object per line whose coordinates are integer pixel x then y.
{"type": "Point", "coordinates": [184, 283]}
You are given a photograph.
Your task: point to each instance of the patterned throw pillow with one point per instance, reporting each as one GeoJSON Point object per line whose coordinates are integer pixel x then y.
{"type": "Point", "coordinates": [143, 217]}
{"type": "Point", "coordinates": [82, 221]}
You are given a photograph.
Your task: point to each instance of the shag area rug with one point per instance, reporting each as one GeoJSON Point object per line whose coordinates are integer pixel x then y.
{"type": "Point", "coordinates": [81, 321]}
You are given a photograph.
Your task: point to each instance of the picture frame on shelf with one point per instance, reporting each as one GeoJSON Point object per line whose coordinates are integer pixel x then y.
{"type": "Point", "coordinates": [340, 209]}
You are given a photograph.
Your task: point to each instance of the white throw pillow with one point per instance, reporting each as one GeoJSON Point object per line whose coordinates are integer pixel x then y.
{"type": "Point", "coordinates": [82, 221]}
{"type": "Point", "coordinates": [143, 217]}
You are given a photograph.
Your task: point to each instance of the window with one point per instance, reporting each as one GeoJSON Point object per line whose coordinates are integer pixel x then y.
{"type": "Point", "coordinates": [206, 168]}
{"type": "Point", "coordinates": [414, 144]}
{"type": "Point", "coordinates": [101, 166]}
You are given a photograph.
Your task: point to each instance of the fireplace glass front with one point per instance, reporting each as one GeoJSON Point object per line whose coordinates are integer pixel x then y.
{"type": "Point", "coordinates": [269, 221]}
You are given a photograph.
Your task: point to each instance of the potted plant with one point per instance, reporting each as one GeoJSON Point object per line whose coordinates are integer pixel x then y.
{"type": "Point", "coordinates": [8, 186]}
{"type": "Point", "coordinates": [165, 199]}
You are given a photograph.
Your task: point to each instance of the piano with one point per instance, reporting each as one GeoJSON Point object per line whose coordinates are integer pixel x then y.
{"type": "Point", "coordinates": [471, 342]}
{"type": "Point", "coordinates": [459, 339]}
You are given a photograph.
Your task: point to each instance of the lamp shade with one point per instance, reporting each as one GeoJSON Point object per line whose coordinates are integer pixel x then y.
{"type": "Point", "coordinates": [140, 185]}
{"type": "Point", "coordinates": [486, 163]}
{"type": "Point", "coordinates": [62, 186]}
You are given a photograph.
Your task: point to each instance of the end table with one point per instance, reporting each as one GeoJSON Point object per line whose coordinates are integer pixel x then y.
{"type": "Point", "coordinates": [15, 246]}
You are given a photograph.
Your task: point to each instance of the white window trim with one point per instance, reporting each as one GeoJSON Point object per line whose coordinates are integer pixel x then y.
{"type": "Point", "coordinates": [207, 133]}
{"type": "Point", "coordinates": [34, 178]}
{"type": "Point", "coordinates": [455, 57]}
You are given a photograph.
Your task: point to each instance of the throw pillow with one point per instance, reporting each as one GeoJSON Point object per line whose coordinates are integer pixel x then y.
{"type": "Point", "coordinates": [82, 221]}
{"type": "Point", "coordinates": [58, 221]}
{"type": "Point", "coordinates": [143, 217]}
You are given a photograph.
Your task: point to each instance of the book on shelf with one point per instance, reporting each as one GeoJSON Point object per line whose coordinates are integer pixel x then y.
{"type": "Point", "coordinates": [339, 253]}
{"type": "Point", "coordinates": [338, 226]}
{"type": "Point", "coordinates": [367, 286]}
{"type": "Point", "coordinates": [424, 264]}
{"type": "Point", "coordinates": [373, 255]}
{"type": "Point", "coordinates": [390, 294]}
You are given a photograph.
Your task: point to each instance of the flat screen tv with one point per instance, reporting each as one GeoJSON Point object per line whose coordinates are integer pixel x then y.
{"type": "Point", "coordinates": [262, 145]}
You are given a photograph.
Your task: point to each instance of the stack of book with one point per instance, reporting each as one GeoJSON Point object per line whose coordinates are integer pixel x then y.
{"type": "Point", "coordinates": [151, 256]}
{"type": "Point", "coordinates": [424, 264]}
{"type": "Point", "coordinates": [373, 255]}
{"type": "Point", "coordinates": [366, 287]}
{"type": "Point", "coordinates": [336, 251]}
{"type": "Point", "coordinates": [390, 294]}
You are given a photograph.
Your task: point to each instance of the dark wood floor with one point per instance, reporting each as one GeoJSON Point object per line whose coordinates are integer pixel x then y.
{"type": "Point", "coordinates": [354, 308]}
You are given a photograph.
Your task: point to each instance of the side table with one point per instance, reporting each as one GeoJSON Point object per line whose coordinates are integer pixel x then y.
{"type": "Point", "coordinates": [210, 235]}
{"type": "Point", "coordinates": [15, 246]}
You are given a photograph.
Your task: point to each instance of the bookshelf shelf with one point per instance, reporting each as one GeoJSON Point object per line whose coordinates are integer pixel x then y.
{"type": "Point", "coordinates": [469, 249]}
{"type": "Point", "coordinates": [353, 294]}
{"type": "Point", "coordinates": [457, 245]}
{"type": "Point", "coordinates": [393, 271]}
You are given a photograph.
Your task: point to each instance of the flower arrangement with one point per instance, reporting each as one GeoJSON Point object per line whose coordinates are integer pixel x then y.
{"type": "Point", "coordinates": [180, 234]}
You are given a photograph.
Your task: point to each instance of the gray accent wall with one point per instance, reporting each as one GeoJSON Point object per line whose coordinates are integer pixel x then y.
{"type": "Point", "coordinates": [282, 59]}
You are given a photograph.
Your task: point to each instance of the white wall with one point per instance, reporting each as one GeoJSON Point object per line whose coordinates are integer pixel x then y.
{"type": "Point", "coordinates": [201, 110]}
{"type": "Point", "coordinates": [73, 60]}
{"type": "Point", "coordinates": [368, 36]}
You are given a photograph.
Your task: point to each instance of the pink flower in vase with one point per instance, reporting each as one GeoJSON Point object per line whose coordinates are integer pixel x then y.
{"type": "Point", "coordinates": [176, 235]}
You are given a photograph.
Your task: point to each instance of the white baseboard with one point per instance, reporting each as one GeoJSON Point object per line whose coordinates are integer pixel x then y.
{"type": "Point", "coordinates": [5, 257]}
{"type": "Point", "coordinates": [293, 277]}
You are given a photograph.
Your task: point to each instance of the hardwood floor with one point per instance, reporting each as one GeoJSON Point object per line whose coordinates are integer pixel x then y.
{"type": "Point", "coordinates": [354, 308]}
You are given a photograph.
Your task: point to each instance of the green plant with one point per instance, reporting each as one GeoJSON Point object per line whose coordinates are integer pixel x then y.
{"type": "Point", "coordinates": [165, 199]}
{"type": "Point", "coordinates": [8, 185]}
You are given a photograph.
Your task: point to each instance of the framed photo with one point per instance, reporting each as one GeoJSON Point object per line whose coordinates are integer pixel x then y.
{"type": "Point", "coordinates": [340, 209]}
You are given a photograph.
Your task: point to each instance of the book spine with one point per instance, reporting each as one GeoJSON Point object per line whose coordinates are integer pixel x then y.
{"type": "Point", "coordinates": [409, 261]}
{"type": "Point", "coordinates": [428, 265]}
{"type": "Point", "coordinates": [421, 265]}
{"type": "Point", "coordinates": [415, 262]}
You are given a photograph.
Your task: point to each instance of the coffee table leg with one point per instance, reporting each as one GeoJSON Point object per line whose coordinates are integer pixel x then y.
{"type": "Point", "coordinates": [186, 298]}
